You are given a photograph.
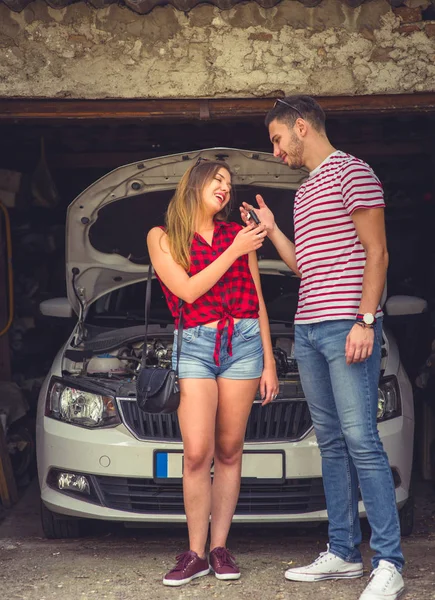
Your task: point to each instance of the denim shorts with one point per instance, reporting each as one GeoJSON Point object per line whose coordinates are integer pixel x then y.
{"type": "Point", "coordinates": [196, 359]}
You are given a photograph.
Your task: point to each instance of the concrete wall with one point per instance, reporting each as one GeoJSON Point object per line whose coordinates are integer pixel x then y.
{"type": "Point", "coordinates": [81, 52]}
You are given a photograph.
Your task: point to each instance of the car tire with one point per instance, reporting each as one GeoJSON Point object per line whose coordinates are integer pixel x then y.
{"type": "Point", "coordinates": [56, 527]}
{"type": "Point", "coordinates": [406, 517]}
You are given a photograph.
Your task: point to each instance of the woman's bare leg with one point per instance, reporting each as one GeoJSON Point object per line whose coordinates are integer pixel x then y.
{"type": "Point", "coordinates": [197, 417]}
{"type": "Point", "coordinates": [235, 398]}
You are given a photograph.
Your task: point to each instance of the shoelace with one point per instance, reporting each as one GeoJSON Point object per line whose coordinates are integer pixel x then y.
{"type": "Point", "coordinates": [225, 557]}
{"type": "Point", "coordinates": [322, 555]}
{"type": "Point", "coordinates": [182, 561]}
{"type": "Point", "coordinates": [387, 571]}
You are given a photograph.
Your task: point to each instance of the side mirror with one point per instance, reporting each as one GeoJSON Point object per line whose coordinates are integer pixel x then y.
{"type": "Point", "coordinates": [405, 305]}
{"type": "Point", "coordinates": [56, 307]}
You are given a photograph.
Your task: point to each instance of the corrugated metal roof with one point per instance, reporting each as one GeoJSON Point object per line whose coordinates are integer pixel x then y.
{"type": "Point", "coordinates": [146, 6]}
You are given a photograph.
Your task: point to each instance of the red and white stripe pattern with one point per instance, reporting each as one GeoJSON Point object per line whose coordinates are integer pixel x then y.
{"type": "Point", "coordinates": [329, 254]}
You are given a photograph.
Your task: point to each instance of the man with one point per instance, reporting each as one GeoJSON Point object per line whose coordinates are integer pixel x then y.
{"type": "Point", "coordinates": [340, 254]}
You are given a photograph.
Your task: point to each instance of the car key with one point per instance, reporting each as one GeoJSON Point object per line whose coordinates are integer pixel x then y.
{"type": "Point", "coordinates": [253, 215]}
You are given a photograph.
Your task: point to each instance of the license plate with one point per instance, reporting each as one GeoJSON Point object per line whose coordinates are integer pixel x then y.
{"type": "Point", "coordinates": [257, 467]}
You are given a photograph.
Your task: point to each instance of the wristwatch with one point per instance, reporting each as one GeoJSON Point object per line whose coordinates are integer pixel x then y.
{"type": "Point", "coordinates": [366, 319]}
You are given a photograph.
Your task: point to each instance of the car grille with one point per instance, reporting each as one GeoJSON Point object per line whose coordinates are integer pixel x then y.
{"type": "Point", "coordinates": [146, 496]}
{"type": "Point", "coordinates": [279, 421]}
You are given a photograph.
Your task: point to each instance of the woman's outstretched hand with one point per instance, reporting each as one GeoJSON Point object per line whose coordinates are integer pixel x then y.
{"type": "Point", "coordinates": [249, 239]}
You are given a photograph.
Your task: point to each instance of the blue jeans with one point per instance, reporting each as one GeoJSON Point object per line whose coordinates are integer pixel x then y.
{"type": "Point", "coordinates": [343, 402]}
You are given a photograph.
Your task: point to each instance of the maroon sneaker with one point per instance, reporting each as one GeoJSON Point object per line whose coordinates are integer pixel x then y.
{"type": "Point", "coordinates": [223, 564]}
{"type": "Point", "coordinates": [188, 567]}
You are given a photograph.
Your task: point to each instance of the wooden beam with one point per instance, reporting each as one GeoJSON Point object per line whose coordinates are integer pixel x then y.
{"type": "Point", "coordinates": [194, 109]}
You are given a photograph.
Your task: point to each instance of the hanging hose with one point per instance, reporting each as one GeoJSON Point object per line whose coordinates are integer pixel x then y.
{"type": "Point", "coordinates": [9, 267]}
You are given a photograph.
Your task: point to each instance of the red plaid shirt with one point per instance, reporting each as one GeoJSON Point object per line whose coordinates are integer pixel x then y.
{"type": "Point", "coordinates": [233, 296]}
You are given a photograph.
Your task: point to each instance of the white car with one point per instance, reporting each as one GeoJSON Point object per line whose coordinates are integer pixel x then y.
{"type": "Point", "coordinates": [99, 456]}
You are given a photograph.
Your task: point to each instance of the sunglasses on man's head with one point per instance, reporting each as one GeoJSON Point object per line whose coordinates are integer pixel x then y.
{"type": "Point", "coordinates": [278, 100]}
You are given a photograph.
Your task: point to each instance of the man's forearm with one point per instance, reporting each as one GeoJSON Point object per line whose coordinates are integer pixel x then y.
{"type": "Point", "coordinates": [375, 273]}
{"type": "Point", "coordinates": [285, 248]}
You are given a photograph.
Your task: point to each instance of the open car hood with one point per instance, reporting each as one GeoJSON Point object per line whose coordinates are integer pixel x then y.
{"type": "Point", "coordinates": [93, 269]}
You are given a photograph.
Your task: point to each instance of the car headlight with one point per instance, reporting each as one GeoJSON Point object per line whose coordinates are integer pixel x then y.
{"type": "Point", "coordinates": [389, 404]}
{"type": "Point", "coordinates": [80, 407]}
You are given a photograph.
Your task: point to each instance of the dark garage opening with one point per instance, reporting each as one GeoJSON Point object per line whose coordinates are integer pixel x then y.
{"type": "Point", "coordinates": [50, 163]}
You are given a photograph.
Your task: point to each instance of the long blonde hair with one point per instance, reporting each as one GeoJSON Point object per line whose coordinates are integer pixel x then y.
{"type": "Point", "coordinates": [186, 208]}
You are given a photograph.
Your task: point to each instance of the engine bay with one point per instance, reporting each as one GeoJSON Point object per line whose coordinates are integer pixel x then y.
{"type": "Point", "coordinates": [118, 357]}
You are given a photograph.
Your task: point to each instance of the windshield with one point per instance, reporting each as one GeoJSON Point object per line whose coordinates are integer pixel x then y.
{"type": "Point", "coordinates": [125, 307]}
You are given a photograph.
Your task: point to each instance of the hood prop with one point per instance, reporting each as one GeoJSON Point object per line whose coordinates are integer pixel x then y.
{"type": "Point", "coordinates": [81, 331]}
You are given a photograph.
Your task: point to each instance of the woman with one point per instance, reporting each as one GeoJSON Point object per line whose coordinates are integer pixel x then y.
{"type": "Point", "coordinates": [226, 353]}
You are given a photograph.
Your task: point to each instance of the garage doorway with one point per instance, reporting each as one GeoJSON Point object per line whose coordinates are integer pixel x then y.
{"type": "Point", "coordinates": [55, 149]}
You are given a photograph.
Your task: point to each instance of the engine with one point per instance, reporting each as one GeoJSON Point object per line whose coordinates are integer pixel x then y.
{"type": "Point", "coordinates": [125, 361]}
{"type": "Point", "coordinates": [284, 354]}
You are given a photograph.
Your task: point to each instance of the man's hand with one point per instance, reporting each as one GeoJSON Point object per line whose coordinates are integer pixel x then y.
{"type": "Point", "coordinates": [263, 212]}
{"type": "Point", "coordinates": [359, 344]}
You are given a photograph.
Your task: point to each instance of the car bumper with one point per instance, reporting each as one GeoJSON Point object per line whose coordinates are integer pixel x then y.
{"type": "Point", "coordinates": [111, 453]}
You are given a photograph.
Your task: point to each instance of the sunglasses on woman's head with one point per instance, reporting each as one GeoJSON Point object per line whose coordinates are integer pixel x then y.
{"type": "Point", "coordinates": [200, 160]}
{"type": "Point", "coordinates": [278, 100]}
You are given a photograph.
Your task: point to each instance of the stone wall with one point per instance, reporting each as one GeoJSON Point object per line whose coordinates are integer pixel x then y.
{"type": "Point", "coordinates": [82, 52]}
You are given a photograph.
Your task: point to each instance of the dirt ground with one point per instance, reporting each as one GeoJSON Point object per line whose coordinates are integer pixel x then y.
{"type": "Point", "coordinates": [120, 564]}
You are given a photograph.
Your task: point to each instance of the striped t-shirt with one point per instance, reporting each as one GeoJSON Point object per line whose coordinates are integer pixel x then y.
{"type": "Point", "coordinates": [329, 255]}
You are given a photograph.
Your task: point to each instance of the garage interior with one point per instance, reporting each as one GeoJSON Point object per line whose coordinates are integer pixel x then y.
{"type": "Point", "coordinates": [51, 151]}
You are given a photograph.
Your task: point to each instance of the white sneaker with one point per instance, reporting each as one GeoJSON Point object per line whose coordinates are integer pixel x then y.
{"type": "Point", "coordinates": [326, 566]}
{"type": "Point", "coordinates": [386, 583]}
